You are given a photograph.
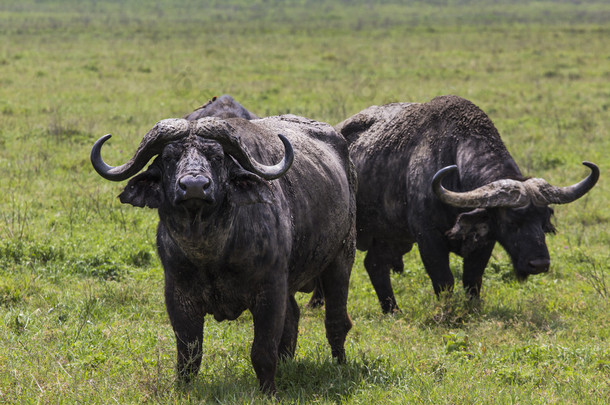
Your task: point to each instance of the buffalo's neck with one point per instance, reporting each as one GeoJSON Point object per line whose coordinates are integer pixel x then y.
{"type": "Point", "coordinates": [232, 236]}
{"type": "Point", "coordinates": [480, 163]}
{"type": "Point", "coordinates": [199, 235]}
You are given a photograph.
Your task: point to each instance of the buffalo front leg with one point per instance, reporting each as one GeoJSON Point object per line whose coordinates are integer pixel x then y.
{"type": "Point", "coordinates": [269, 313]}
{"type": "Point", "coordinates": [378, 266]}
{"type": "Point", "coordinates": [474, 267]}
{"type": "Point", "coordinates": [335, 284]}
{"type": "Point", "coordinates": [434, 254]}
{"type": "Point", "coordinates": [187, 322]}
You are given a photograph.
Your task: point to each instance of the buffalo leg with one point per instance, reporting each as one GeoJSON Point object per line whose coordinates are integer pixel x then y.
{"type": "Point", "coordinates": [269, 313]}
{"type": "Point", "coordinates": [435, 256]}
{"type": "Point", "coordinates": [378, 266]}
{"type": "Point", "coordinates": [187, 322]}
{"type": "Point", "coordinates": [288, 343]}
{"type": "Point", "coordinates": [474, 266]}
{"type": "Point", "coordinates": [335, 285]}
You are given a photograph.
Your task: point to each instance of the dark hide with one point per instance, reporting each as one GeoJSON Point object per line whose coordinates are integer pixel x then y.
{"type": "Point", "coordinates": [397, 149]}
{"type": "Point", "coordinates": [231, 241]}
{"type": "Point", "coordinates": [224, 106]}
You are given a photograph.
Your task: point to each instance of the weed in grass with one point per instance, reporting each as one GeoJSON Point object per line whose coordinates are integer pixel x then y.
{"type": "Point", "coordinates": [21, 251]}
{"type": "Point", "coordinates": [16, 291]}
{"type": "Point", "coordinates": [15, 220]}
{"type": "Point", "coordinates": [454, 310]}
{"type": "Point", "coordinates": [88, 305]}
{"type": "Point", "coordinates": [60, 132]}
{"type": "Point", "coordinates": [457, 343]}
{"type": "Point", "coordinates": [19, 323]}
{"type": "Point", "coordinates": [595, 273]}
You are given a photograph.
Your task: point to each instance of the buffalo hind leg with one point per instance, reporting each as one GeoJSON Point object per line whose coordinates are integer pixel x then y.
{"type": "Point", "coordinates": [317, 298]}
{"type": "Point", "coordinates": [288, 343]}
{"type": "Point", "coordinates": [474, 266]}
{"type": "Point", "coordinates": [335, 285]}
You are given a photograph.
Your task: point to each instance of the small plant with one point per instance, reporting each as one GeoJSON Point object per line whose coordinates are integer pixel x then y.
{"type": "Point", "coordinates": [15, 219]}
{"type": "Point", "coordinates": [456, 342]}
{"type": "Point", "coordinates": [9, 295]}
{"type": "Point", "coordinates": [595, 274]}
{"type": "Point", "coordinates": [455, 310]}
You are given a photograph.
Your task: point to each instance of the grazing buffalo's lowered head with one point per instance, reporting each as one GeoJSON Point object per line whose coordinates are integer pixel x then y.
{"type": "Point", "coordinates": [199, 164]}
{"type": "Point", "coordinates": [515, 213]}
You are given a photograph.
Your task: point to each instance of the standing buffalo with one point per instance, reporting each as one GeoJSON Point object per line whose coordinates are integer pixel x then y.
{"type": "Point", "coordinates": [399, 148]}
{"type": "Point", "coordinates": [238, 233]}
{"type": "Point", "coordinates": [223, 107]}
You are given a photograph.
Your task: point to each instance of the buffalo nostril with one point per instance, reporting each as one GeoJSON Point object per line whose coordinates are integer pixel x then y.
{"type": "Point", "coordinates": [539, 265]}
{"type": "Point", "coordinates": [194, 186]}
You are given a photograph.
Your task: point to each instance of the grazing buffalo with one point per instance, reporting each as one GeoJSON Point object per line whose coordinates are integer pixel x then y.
{"type": "Point", "coordinates": [399, 148]}
{"type": "Point", "coordinates": [238, 232]}
{"type": "Point", "coordinates": [224, 107]}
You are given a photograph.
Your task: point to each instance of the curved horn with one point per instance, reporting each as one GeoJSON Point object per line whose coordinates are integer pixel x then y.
{"type": "Point", "coordinates": [512, 193]}
{"type": "Point", "coordinates": [152, 144]}
{"type": "Point", "coordinates": [501, 193]}
{"type": "Point", "coordinates": [543, 193]}
{"type": "Point", "coordinates": [223, 133]}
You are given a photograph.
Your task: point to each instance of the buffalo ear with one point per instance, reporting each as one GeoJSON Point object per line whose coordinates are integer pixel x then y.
{"type": "Point", "coordinates": [472, 228]}
{"type": "Point", "coordinates": [247, 188]}
{"type": "Point", "coordinates": [548, 226]}
{"type": "Point", "coordinates": [145, 189]}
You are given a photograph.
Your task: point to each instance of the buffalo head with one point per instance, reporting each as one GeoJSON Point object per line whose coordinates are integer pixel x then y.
{"type": "Point", "coordinates": [515, 213]}
{"type": "Point", "coordinates": [199, 163]}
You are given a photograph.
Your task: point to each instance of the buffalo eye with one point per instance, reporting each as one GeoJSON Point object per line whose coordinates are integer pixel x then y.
{"type": "Point", "coordinates": [169, 157]}
{"type": "Point", "coordinates": [244, 183]}
{"type": "Point", "coordinates": [513, 219]}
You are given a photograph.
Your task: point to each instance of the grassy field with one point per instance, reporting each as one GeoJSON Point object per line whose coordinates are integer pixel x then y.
{"type": "Point", "coordinates": [82, 318]}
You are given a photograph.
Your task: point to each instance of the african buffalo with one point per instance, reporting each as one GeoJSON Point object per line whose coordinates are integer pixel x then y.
{"type": "Point", "coordinates": [237, 233]}
{"type": "Point", "coordinates": [224, 107]}
{"type": "Point", "coordinates": [397, 150]}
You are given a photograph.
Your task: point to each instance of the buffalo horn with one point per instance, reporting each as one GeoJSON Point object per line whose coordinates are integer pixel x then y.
{"type": "Point", "coordinates": [543, 193]}
{"type": "Point", "coordinates": [223, 133]}
{"type": "Point", "coordinates": [509, 193]}
{"type": "Point", "coordinates": [154, 141]}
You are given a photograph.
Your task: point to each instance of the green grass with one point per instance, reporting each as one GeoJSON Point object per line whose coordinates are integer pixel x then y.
{"type": "Point", "coordinates": [82, 317]}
